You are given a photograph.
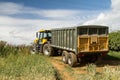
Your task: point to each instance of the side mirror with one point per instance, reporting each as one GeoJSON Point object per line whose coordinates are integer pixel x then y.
{"type": "Point", "coordinates": [36, 34]}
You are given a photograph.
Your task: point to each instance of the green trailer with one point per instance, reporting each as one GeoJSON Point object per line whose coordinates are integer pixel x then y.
{"type": "Point", "coordinates": [80, 42]}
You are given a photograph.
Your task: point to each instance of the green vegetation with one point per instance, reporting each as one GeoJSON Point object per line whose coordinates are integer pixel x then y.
{"type": "Point", "coordinates": [7, 49]}
{"type": "Point", "coordinates": [108, 73]}
{"type": "Point", "coordinates": [25, 67]}
{"type": "Point", "coordinates": [114, 44]}
{"type": "Point", "coordinates": [114, 41]}
{"type": "Point", "coordinates": [17, 64]}
{"type": "Point", "coordinates": [114, 54]}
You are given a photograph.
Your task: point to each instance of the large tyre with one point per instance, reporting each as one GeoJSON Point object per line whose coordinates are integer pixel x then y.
{"type": "Point", "coordinates": [47, 50]}
{"type": "Point", "coordinates": [33, 49]}
{"type": "Point", "coordinates": [40, 49]}
{"type": "Point", "coordinates": [65, 57]}
{"type": "Point", "coordinates": [72, 59]}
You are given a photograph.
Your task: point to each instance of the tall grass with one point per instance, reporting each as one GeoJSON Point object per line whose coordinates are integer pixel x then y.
{"type": "Point", "coordinates": [108, 73]}
{"type": "Point", "coordinates": [16, 63]}
{"type": "Point", "coordinates": [25, 67]}
{"type": "Point", "coordinates": [7, 49]}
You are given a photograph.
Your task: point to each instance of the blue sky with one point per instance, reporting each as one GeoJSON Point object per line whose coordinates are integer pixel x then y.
{"type": "Point", "coordinates": [65, 4]}
{"type": "Point", "coordinates": [20, 19]}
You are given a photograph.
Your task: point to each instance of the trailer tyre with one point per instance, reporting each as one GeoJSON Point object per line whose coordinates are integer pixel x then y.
{"type": "Point", "coordinates": [47, 50]}
{"type": "Point", "coordinates": [65, 57]}
{"type": "Point", "coordinates": [72, 59]}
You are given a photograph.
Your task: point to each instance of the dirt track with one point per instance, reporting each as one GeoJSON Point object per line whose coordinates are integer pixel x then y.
{"type": "Point", "coordinates": [68, 73]}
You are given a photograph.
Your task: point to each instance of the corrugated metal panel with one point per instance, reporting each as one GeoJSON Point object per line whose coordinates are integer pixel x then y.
{"type": "Point", "coordinates": [64, 38]}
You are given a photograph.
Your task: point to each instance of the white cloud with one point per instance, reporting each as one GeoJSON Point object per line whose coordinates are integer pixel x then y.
{"type": "Point", "coordinates": [57, 13]}
{"type": "Point", "coordinates": [22, 31]}
{"type": "Point", "coordinates": [7, 8]}
{"type": "Point", "coordinates": [115, 4]}
{"type": "Point", "coordinates": [110, 18]}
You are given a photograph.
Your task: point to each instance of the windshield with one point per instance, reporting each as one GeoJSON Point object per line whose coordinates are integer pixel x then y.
{"type": "Point", "coordinates": [44, 34]}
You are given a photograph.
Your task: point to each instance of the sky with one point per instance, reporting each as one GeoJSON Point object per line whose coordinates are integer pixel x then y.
{"type": "Point", "coordinates": [21, 19]}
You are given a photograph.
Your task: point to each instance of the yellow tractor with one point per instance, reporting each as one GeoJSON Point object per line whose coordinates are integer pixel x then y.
{"type": "Point", "coordinates": [75, 44]}
{"type": "Point", "coordinates": [42, 41]}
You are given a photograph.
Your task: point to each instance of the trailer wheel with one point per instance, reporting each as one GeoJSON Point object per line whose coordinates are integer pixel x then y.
{"type": "Point", "coordinates": [47, 50]}
{"type": "Point", "coordinates": [72, 59]}
{"type": "Point", "coordinates": [65, 57]}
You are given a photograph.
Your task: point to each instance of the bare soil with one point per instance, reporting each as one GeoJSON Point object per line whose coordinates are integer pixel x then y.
{"type": "Point", "coordinates": [68, 73]}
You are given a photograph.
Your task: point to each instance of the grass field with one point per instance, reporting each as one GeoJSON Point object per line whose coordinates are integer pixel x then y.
{"type": "Point", "coordinates": [26, 67]}
{"type": "Point", "coordinates": [110, 69]}
{"type": "Point", "coordinates": [108, 73]}
{"type": "Point", "coordinates": [16, 63]}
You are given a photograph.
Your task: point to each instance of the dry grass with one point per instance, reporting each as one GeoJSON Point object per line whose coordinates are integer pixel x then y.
{"type": "Point", "coordinates": [16, 63]}
{"type": "Point", "coordinates": [109, 73]}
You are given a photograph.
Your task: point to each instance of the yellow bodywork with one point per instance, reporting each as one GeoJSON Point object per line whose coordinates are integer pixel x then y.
{"type": "Point", "coordinates": [36, 40]}
{"type": "Point", "coordinates": [92, 44]}
{"type": "Point", "coordinates": [42, 30]}
{"type": "Point", "coordinates": [44, 41]}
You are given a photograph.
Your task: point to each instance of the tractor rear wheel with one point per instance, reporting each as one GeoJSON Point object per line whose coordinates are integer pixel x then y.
{"type": "Point", "coordinates": [47, 50]}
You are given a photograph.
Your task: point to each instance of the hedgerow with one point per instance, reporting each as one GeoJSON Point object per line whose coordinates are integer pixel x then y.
{"type": "Point", "coordinates": [114, 41]}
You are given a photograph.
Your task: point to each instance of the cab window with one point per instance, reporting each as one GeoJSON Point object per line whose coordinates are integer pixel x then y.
{"type": "Point", "coordinates": [41, 35]}
{"type": "Point", "coordinates": [49, 34]}
{"type": "Point", "coordinates": [45, 35]}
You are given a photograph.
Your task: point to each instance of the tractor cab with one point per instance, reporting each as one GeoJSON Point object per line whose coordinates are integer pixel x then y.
{"type": "Point", "coordinates": [42, 37]}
